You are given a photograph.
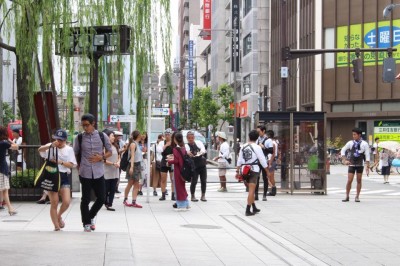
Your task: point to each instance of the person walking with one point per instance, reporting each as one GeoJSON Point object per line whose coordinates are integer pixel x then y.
{"type": "Point", "coordinates": [156, 176]}
{"type": "Point", "coordinates": [134, 169]}
{"type": "Point", "coordinates": [375, 153]}
{"type": "Point", "coordinates": [262, 138]}
{"type": "Point", "coordinates": [91, 149]}
{"type": "Point", "coordinates": [251, 154]}
{"type": "Point", "coordinates": [384, 163]}
{"type": "Point", "coordinates": [196, 150]}
{"type": "Point", "coordinates": [6, 144]}
{"type": "Point", "coordinates": [358, 152]}
{"type": "Point", "coordinates": [111, 170]}
{"type": "Point", "coordinates": [17, 139]}
{"type": "Point", "coordinates": [222, 159]}
{"type": "Point", "coordinates": [118, 139]}
{"type": "Point", "coordinates": [176, 159]}
{"type": "Point", "coordinates": [272, 150]}
{"type": "Point", "coordinates": [166, 149]}
{"type": "Point", "coordinates": [143, 148]}
{"type": "Point", "coordinates": [66, 161]}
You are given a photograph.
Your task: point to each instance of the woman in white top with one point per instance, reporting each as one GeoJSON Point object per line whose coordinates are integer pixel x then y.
{"type": "Point", "coordinates": [66, 160]}
{"type": "Point", "coordinates": [384, 163]}
{"type": "Point", "coordinates": [111, 170]}
{"type": "Point", "coordinates": [222, 159]}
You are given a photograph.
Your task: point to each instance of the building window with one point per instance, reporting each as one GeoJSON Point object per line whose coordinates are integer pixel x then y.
{"type": "Point", "coordinates": [246, 85]}
{"type": "Point", "coordinates": [247, 44]}
{"type": "Point", "coordinates": [247, 6]}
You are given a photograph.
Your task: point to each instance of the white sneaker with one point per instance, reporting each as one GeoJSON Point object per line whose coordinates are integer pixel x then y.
{"type": "Point", "coordinates": [93, 224]}
{"type": "Point", "coordinates": [222, 189]}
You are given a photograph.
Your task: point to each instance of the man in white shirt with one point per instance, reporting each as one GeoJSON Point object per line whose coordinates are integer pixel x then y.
{"type": "Point", "coordinates": [222, 159]}
{"type": "Point", "coordinates": [251, 154]}
{"type": "Point", "coordinates": [358, 152]}
{"type": "Point", "coordinates": [375, 152]}
{"type": "Point", "coordinates": [196, 150]}
{"type": "Point", "coordinates": [17, 139]}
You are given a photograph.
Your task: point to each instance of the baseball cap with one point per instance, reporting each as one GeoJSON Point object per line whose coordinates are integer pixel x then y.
{"type": "Point", "coordinates": [60, 134]}
{"type": "Point", "coordinates": [118, 133]}
{"type": "Point", "coordinates": [16, 130]}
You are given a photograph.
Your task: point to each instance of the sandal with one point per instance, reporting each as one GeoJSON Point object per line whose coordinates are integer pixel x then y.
{"type": "Point", "coordinates": [357, 200]}
{"type": "Point", "coordinates": [62, 223]}
{"type": "Point", "coordinates": [346, 199]}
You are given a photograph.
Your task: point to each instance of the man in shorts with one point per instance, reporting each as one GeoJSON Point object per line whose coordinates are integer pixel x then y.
{"type": "Point", "coordinates": [251, 154]}
{"type": "Point", "coordinates": [358, 152]}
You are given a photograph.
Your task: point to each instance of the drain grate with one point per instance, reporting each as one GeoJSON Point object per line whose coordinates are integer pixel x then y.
{"type": "Point", "coordinates": [16, 221]}
{"type": "Point", "coordinates": [201, 226]}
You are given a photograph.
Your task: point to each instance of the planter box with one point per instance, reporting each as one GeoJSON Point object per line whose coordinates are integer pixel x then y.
{"type": "Point", "coordinates": [25, 194]}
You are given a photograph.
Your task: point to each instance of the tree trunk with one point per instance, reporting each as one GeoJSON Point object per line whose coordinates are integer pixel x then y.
{"type": "Point", "coordinates": [30, 134]}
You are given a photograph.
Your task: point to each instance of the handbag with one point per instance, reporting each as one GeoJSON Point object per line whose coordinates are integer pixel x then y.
{"type": "Point", "coordinates": [48, 178]}
{"type": "Point", "coordinates": [396, 162]}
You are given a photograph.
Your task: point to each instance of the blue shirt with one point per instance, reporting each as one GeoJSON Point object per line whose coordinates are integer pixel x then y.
{"type": "Point", "coordinates": [91, 145]}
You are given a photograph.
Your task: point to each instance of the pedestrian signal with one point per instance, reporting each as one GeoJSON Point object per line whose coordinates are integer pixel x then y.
{"type": "Point", "coordinates": [389, 70]}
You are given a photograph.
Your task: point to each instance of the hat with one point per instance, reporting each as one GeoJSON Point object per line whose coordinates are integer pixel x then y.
{"type": "Point", "coordinates": [60, 134]}
{"type": "Point", "coordinates": [118, 133]}
{"type": "Point", "coordinates": [168, 131]}
{"type": "Point", "coordinates": [222, 135]}
{"type": "Point", "coordinates": [16, 130]}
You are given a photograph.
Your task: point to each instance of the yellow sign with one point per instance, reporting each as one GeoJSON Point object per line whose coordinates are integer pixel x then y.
{"type": "Point", "coordinates": [384, 137]}
{"type": "Point", "coordinates": [367, 35]}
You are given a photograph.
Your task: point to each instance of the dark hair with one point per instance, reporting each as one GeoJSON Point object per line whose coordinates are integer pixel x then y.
{"type": "Point", "coordinates": [253, 135]}
{"type": "Point", "coordinates": [262, 128]}
{"type": "Point", "coordinates": [357, 130]}
{"type": "Point", "coordinates": [108, 132]}
{"type": "Point", "coordinates": [270, 134]}
{"type": "Point", "coordinates": [88, 117]}
{"type": "Point", "coordinates": [376, 139]}
{"type": "Point", "coordinates": [173, 144]}
{"type": "Point", "coordinates": [147, 137]}
{"type": "Point", "coordinates": [179, 139]}
{"type": "Point", "coordinates": [160, 137]}
{"type": "Point", "coordinates": [3, 133]}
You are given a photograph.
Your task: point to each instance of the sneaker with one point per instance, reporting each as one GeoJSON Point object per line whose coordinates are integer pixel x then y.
{"type": "Point", "coordinates": [1, 207]}
{"type": "Point", "coordinates": [110, 209]}
{"type": "Point", "coordinates": [135, 205]}
{"type": "Point", "coordinates": [92, 225]}
{"type": "Point", "coordinates": [140, 193]}
{"type": "Point", "coordinates": [166, 192]}
{"type": "Point", "coordinates": [86, 228]}
{"type": "Point", "coordinates": [222, 189]}
{"type": "Point", "coordinates": [155, 193]}
{"type": "Point", "coordinates": [264, 198]}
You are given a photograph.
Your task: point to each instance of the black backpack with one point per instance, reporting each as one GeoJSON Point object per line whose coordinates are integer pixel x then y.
{"type": "Point", "coordinates": [125, 160]}
{"type": "Point", "coordinates": [188, 169]}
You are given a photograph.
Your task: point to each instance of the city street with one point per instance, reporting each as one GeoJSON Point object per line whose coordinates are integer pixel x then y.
{"type": "Point", "coordinates": [304, 229]}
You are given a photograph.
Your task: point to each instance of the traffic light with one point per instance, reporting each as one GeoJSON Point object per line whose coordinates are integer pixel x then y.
{"type": "Point", "coordinates": [389, 70]}
{"type": "Point", "coordinates": [357, 70]}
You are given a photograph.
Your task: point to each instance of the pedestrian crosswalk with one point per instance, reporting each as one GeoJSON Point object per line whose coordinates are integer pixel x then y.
{"type": "Point", "coordinates": [366, 191]}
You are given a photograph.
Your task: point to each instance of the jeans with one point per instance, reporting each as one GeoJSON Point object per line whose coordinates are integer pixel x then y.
{"type": "Point", "coordinates": [265, 179]}
{"type": "Point", "coordinates": [111, 185]}
{"type": "Point", "coordinates": [202, 171]}
{"type": "Point", "coordinates": [98, 186]}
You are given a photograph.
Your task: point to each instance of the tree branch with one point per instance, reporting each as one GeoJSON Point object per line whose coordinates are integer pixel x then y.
{"type": "Point", "coordinates": [8, 47]}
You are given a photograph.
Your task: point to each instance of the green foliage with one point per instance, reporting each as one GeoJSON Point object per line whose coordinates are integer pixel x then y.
{"type": "Point", "coordinates": [208, 109]}
{"type": "Point", "coordinates": [195, 108]}
{"type": "Point", "coordinates": [336, 143]}
{"type": "Point", "coordinates": [24, 179]}
{"type": "Point", "coordinates": [8, 115]}
{"type": "Point", "coordinates": [226, 98]}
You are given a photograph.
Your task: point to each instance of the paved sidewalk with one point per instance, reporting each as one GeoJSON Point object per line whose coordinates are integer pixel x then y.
{"type": "Point", "coordinates": [301, 229]}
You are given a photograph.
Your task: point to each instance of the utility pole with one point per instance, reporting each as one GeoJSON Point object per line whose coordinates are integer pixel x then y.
{"type": "Point", "coordinates": [284, 61]}
{"type": "Point", "coordinates": [1, 85]}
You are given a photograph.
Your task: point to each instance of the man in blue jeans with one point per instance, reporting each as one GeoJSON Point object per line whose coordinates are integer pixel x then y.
{"type": "Point", "coordinates": [89, 151]}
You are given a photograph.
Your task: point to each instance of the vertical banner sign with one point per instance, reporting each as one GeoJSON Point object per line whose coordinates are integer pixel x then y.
{"type": "Point", "coordinates": [190, 74]}
{"type": "Point", "coordinates": [235, 35]}
{"type": "Point", "coordinates": [207, 18]}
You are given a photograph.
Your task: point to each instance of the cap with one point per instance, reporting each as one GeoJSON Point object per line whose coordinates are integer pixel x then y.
{"type": "Point", "coordinates": [190, 132]}
{"type": "Point", "coordinates": [16, 130]}
{"type": "Point", "coordinates": [222, 135]}
{"type": "Point", "coordinates": [168, 131]}
{"type": "Point", "coordinates": [60, 134]}
{"type": "Point", "coordinates": [118, 133]}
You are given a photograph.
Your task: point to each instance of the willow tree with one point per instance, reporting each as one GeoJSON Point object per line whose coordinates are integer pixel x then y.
{"type": "Point", "coordinates": [36, 24]}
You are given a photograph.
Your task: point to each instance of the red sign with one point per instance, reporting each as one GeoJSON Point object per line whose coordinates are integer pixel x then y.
{"type": "Point", "coordinates": [207, 18]}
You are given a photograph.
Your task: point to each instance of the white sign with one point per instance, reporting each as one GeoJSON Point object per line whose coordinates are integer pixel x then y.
{"type": "Point", "coordinates": [160, 111]}
{"type": "Point", "coordinates": [122, 118]}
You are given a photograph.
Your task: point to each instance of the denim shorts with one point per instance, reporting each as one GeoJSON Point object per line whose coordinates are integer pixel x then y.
{"type": "Point", "coordinates": [64, 180]}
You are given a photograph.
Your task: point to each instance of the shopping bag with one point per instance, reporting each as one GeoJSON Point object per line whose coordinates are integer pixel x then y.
{"type": "Point", "coordinates": [48, 178]}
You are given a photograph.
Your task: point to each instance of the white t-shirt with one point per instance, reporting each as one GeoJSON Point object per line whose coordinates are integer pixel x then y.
{"type": "Point", "coordinates": [252, 157]}
{"type": "Point", "coordinates": [159, 150]}
{"type": "Point", "coordinates": [223, 152]}
{"type": "Point", "coordinates": [364, 148]}
{"type": "Point", "coordinates": [384, 159]}
{"type": "Point", "coordinates": [199, 145]}
{"type": "Point", "coordinates": [65, 154]}
{"type": "Point", "coordinates": [18, 142]}
{"type": "Point", "coordinates": [375, 148]}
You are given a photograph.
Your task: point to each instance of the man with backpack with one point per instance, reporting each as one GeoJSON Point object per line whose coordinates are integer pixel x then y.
{"type": "Point", "coordinates": [251, 157]}
{"type": "Point", "coordinates": [196, 150]}
{"type": "Point", "coordinates": [358, 152]}
{"type": "Point", "coordinates": [91, 149]}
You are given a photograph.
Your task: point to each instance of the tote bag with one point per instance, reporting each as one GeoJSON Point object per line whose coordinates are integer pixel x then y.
{"type": "Point", "coordinates": [48, 178]}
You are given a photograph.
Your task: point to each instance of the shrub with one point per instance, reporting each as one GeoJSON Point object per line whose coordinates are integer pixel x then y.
{"type": "Point", "coordinates": [24, 179]}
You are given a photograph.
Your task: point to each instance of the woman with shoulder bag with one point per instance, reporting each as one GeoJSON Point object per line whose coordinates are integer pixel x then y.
{"type": "Point", "coordinates": [111, 170]}
{"type": "Point", "coordinates": [5, 144]}
{"type": "Point", "coordinates": [66, 160]}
